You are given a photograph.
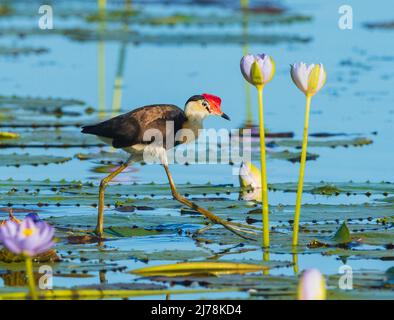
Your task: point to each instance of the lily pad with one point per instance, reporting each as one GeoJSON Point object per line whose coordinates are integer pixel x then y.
{"type": "Point", "coordinates": [51, 139]}
{"type": "Point", "coordinates": [118, 255]}
{"type": "Point", "coordinates": [291, 156]}
{"type": "Point", "coordinates": [356, 142]}
{"type": "Point", "coordinates": [337, 188]}
{"type": "Point", "coordinates": [381, 254]}
{"type": "Point", "coordinates": [17, 160]}
{"type": "Point", "coordinates": [121, 35]}
{"type": "Point", "coordinates": [17, 51]}
{"type": "Point", "coordinates": [36, 103]}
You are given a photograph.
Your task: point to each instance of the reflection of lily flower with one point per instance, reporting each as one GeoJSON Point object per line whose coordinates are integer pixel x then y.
{"type": "Point", "coordinates": [312, 286]}
{"type": "Point", "coordinates": [250, 179]}
{"type": "Point", "coordinates": [27, 238]}
{"type": "Point", "coordinates": [308, 78]}
{"type": "Point", "coordinates": [249, 176]}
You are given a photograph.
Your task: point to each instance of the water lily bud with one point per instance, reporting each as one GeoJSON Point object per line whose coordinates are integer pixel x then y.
{"type": "Point", "coordinates": [258, 69]}
{"type": "Point", "coordinates": [312, 286]}
{"type": "Point", "coordinates": [308, 78]}
{"type": "Point", "coordinates": [249, 176]}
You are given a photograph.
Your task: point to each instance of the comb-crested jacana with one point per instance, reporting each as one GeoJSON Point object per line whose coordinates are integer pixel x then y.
{"type": "Point", "coordinates": [126, 131]}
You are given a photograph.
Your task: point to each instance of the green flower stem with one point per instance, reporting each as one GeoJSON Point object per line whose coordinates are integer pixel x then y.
{"type": "Point", "coordinates": [302, 172]}
{"type": "Point", "coordinates": [264, 188]}
{"type": "Point", "coordinates": [30, 278]}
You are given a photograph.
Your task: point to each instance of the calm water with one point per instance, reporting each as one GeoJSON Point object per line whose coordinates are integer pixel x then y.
{"type": "Point", "coordinates": [357, 99]}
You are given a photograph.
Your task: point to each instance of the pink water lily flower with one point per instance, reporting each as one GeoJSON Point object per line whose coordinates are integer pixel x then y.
{"type": "Point", "coordinates": [27, 238]}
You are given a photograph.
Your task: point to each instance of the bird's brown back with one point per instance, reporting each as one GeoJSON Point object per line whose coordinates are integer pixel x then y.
{"type": "Point", "coordinates": [128, 129]}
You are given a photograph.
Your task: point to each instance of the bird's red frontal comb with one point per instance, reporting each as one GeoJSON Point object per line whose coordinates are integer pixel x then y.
{"type": "Point", "coordinates": [214, 101]}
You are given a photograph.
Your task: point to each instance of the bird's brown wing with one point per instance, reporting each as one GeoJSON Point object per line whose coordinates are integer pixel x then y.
{"type": "Point", "coordinates": [128, 129]}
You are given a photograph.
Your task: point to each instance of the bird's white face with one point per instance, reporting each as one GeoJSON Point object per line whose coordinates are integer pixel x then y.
{"type": "Point", "coordinates": [200, 107]}
{"type": "Point", "coordinates": [198, 110]}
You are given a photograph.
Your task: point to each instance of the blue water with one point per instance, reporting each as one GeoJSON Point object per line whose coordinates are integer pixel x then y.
{"type": "Point", "coordinates": [356, 99]}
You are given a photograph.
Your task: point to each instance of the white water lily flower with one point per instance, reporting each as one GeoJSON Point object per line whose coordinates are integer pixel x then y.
{"type": "Point", "coordinates": [312, 286]}
{"type": "Point", "coordinates": [308, 78]}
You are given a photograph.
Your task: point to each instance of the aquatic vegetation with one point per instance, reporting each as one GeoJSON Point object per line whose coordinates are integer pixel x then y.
{"type": "Point", "coordinates": [134, 37]}
{"type": "Point", "coordinates": [18, 51]}
{"type": "Point", "coordinates": [37, 103]}
{"type": "Point", "coordinates": [28, 239]}
{"type": "Point", "coordinates": [259, 70]}
{"type": "Point", "coordinates": [309, 79]}
{"type": "Point", "coordinates": [323, 230]}
{"type": "Point", "coordinates": [17, 160]}
{"type": "Point", "coordinates": [113, 16]}
{"type": "Point", "coordinates": [387, 25]}
{"type": "Point", "coordinates": [346, 219]}
{"type": "Point", "coordinates": [355, 142]}
{"type": "Point", "coordinates": [134, 17]}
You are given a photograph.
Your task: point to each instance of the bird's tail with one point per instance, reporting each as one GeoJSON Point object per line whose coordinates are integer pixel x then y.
{"type": "Point", "coordinates": [88, 129]}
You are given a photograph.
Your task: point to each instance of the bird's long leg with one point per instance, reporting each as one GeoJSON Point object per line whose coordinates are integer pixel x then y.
{"type": "Point", "coordinates": [204, 212]}
{"type": "Point", "coordinates": [103, 184]}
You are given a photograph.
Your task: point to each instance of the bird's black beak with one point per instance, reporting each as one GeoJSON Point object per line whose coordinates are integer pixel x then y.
{"type": "Point", "coordinates": [225, 116]}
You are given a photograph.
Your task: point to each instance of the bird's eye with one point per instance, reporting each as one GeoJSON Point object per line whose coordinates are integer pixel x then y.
{"type": "Point", "coordinates": [206, 105]}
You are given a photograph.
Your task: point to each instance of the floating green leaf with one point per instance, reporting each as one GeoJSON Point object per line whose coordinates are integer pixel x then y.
{"type": "Point", "coordinates": [18, 160]}
{"type": "Point", "coordinates": [356, 142]}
